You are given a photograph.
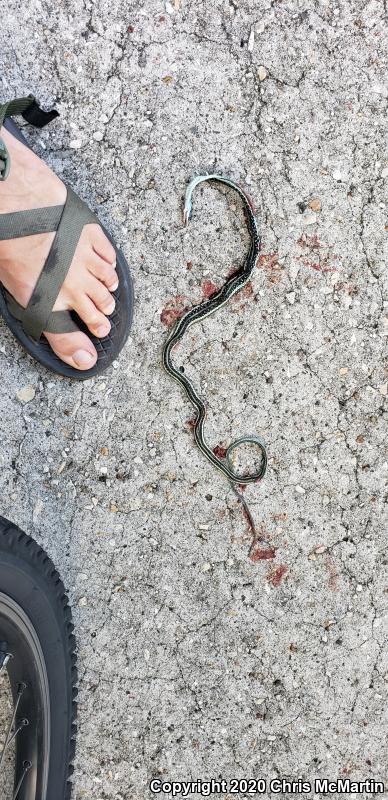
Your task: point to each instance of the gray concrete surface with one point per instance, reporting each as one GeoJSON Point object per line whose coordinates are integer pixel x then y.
{"type": "Point", "coordinates": [196, 660]}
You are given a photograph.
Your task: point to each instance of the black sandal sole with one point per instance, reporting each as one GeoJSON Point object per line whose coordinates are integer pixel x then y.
{"type": "Point", "coordinates": [108, 348]}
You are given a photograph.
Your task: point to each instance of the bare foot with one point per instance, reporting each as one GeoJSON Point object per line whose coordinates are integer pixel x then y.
{"type": "Point", "coordinates": [92, 275]}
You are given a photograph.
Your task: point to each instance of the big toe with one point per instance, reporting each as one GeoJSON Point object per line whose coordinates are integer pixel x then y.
{"type": "Point", "coordinates": [74, 349]}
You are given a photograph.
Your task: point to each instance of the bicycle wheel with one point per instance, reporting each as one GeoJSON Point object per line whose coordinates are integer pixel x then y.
{"type": "Point", "coordinates": [37, 649]}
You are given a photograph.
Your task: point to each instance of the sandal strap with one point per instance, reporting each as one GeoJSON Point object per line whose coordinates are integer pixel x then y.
{"type": "Point", "coordinates": [75, 216]}
{"type": "Point", "coordinates": [18, 106]}
{"type": "Point", "coordinates": [70, 220]}
{"type": "Point", "coordinates": [27, 223]}
{"type": "Point", "coordinates": [58, 322]}
{"type": "Point", "coordinates": [31, 111]}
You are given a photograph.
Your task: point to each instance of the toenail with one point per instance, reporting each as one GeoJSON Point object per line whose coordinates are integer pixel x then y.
{"type": "Point", "coordinates": [114, 286]}
{"type": "Point", "coordinates": [83, 358]}
{"type": "Point", "coordinates": [103, 330]}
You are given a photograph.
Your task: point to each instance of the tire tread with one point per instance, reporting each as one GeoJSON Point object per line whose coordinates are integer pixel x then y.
{"type": "Point", "coordinates": [14, 540]}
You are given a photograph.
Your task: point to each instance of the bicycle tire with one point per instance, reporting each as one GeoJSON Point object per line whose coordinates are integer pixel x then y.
{"type": "Point", "coordinates": [35, 620]}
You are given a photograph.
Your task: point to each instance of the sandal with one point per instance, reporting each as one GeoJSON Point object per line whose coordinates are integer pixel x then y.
{"type": "Point", "coordinates": [67, 220]}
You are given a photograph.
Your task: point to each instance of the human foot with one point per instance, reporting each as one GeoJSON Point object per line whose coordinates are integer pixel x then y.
{"type": "Point", "coordinates": [92, 275]}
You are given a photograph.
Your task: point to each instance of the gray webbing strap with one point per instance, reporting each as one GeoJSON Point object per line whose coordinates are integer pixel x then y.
{"type": "Point", "coordinates": [18, 106]}
{"type": "Point", "coordinates": [30, 109]}
{"type": "Point", "coordinates": [27, 223]}
{"type": "Point", "coordinates": [58, 322]}
{"type": "Point", "coordinates": [8, 109]}
{"type": "Point", "coordinates": [75, 215]}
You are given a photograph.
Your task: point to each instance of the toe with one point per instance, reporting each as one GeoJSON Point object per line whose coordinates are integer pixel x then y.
{"type": "Point", "coordinates": [74, 349]}
{"type": "Point", "coordinates": [101, 245]}
{"type": "Point", "coordinates": [106, 273]}
{"type": "Point", "coordinates": [100, 296]}
{"type": "Point", "coordinates": [97, 323]}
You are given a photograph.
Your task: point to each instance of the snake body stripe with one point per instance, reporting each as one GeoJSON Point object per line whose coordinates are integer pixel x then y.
{"type": "Point", "coordinates": [234, 284]}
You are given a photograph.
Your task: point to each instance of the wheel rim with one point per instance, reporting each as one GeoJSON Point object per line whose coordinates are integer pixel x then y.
{"type": "Point", "coordinates": [25, 664]}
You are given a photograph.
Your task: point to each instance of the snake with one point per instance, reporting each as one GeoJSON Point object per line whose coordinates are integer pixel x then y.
{"type": "Point", "coordinates": [196, 314]}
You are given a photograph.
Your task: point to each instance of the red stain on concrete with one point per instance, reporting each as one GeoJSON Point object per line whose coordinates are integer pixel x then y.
{"type": "Point", "coordinates": [276, 575]}
{"type": "Point", "coordinates": [174, 309]}
{"type": "Point", "coordinates": [244, 294]}
{"type": "Point", "coordinates": [269, 262]}
{"type": "Point", "coordinates": [190, 424]}
{"type": "Point", "coordinates": [314, 246]}
{"type": "Point", "coordinates": [309, 242]}
{"type": "Point", "coordinates": [312, 264]}
{"type": "Point", "coordinates": [318, 266]}
{"type": "Point", "coordinates": [333, 574]}
{"type": "Point", "coordinates": [281, 517]}
{"type": "Point", "coordinates": [219, 451]}
{"type": "Point", "coordinates": [208, 288]}
{"type": "Point", "coordinates": [263, 554]}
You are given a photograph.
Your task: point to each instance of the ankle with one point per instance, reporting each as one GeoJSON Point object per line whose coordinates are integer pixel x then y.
{"type": "Point", "coordinates": [29, 179]}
